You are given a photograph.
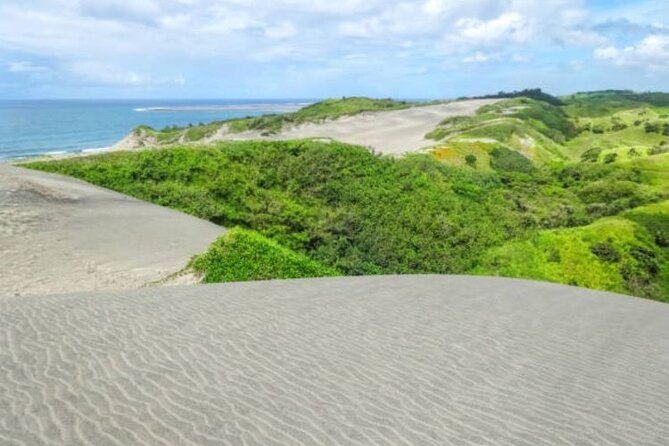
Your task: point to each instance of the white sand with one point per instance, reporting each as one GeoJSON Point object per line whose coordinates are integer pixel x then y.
{"type": "Point", "coordinates": [392, 132]}
{"type": "Point", "coordinates": [58, 234]}
{"type": "Point", "coordinates": [417, 360]}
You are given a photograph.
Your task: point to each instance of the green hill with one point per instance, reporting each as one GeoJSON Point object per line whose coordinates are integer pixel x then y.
{"type": "Point", "coordinates": [595, 224]}
{"type": "Point", "coordinates": [598, 127]}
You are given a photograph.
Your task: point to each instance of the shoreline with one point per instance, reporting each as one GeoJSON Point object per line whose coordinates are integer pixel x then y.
{"type": "Point", "coordinates": [56, 155]}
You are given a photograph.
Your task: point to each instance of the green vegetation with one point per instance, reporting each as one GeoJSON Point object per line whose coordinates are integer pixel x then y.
{"type": "Point", "coordinates": [603, 103]}
{"type": "Point", "coordinates": [614, 254]}
{"type": "Point", "coordinates": [272, 124]}
{"type": "Point", "coordinates": [531, 93]}
{"type": "Point", "coordinates": [536, 130]}
{"type": "Point", "coordinates": [328, 208]}
{"type": "Point", "coordinates": [503, 159]}
{"type": "Point", "coordinates": [242, 255]}
{"type": "Point", "coordinates": [609, 127]}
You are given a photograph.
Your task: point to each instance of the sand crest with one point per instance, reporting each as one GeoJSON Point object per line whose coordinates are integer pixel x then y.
{"type": "Point", "coordinates": [58, 234]}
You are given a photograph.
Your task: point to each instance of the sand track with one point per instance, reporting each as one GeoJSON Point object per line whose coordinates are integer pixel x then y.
{"type": "Point", "coordinates": [414, 360]}
{"type": "Point", "coordinates": [59, 234]}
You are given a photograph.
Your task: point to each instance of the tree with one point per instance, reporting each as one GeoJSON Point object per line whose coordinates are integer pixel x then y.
{"type": "Point", "coordinates": [470, 159]}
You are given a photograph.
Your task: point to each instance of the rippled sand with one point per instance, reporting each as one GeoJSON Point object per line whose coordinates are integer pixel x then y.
{"type": "Point", "coordinates": [415, 360]}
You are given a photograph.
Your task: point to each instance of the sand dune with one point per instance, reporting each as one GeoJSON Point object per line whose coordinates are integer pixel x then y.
{"type": "Point", "coordinates": [392, 132]}
{"type": "Point", "coordinates": [58, 234]}
{"type": "Point", "coordinates": [416, 360]}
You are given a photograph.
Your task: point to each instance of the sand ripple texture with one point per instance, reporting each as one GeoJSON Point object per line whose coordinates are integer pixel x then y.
{"type": "Point", "coordinates": [418, 360]}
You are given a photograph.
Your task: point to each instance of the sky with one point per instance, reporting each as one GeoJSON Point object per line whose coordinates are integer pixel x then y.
{"type": "Point", "coordinates": [328, 48]}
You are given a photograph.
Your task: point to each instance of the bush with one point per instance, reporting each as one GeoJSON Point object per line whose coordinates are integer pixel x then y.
{"type": "Point", "coordinates": [241, 255]}
{"type": "Point", "coordinates": [639, 274]}
{"type": "Point", "coordinates": [598, 128]}
{"type": "Point", "coordinates": [652, 127]}
{"type": "Point", "coordinates": [606, 252]}
{"type": "Point", "coordinates": [470, 159]}
{"type": "Point", "coordinates": [610, 158]}
{"type": "Point", "coordinates": [591, 155]}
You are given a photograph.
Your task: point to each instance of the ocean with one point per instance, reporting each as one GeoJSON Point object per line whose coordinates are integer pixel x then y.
{"type": "Point", "coordinates": [36, 127]}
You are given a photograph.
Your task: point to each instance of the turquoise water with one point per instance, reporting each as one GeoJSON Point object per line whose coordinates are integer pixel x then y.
{"type": "Point", "coordinates": [29, 128]}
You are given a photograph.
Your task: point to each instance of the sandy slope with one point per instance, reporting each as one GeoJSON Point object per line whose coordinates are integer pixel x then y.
{"type": "Point", "coordinates": [415, 360]}
{"type": "Point", "coordinates": [392, 132]}
{"type": "Point", "coordinates": [58, 234]}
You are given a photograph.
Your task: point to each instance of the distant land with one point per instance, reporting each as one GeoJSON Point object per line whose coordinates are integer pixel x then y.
{"type": "Point", "coordinates": [571, 189]}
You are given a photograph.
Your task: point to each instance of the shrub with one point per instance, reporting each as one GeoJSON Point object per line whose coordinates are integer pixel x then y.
{"type": "Point", "coordinates": [598, 128]}
{"type": "Point", "coordinates": [470, 159]}
{"type": "Point", "coordinates": [652, 127]}
{"type": "Point", "coordinates": [242, 255]}
{"type": "Point", "coordinates": [610, 158]}
{"type": "Point", "coordinates": [591, 155]}
{"type": "Point", "coordinates": [606, 252]}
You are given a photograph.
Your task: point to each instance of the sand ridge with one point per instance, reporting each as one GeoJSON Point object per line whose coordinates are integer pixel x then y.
{"type": "Point", "coordinates": [59, 234]}
{"type": "Point", "coordinates": [394, 132]}
{"type": "Point", "coordinates": [429, 360]}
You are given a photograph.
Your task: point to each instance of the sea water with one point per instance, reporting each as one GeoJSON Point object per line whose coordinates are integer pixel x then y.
{"type": "Point", "coordinates": [36, 127]}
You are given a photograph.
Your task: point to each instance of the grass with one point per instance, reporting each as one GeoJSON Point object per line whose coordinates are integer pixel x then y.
{"type": "Point", "coordinates": [242, 255]}
{"type": "Point", "coordinates": [575, 256]}
{"type": "Point", "coordinates": [602, 103]}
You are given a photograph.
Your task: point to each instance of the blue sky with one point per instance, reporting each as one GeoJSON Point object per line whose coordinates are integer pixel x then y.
{"type": "Point", "coordinates": [323, 48]}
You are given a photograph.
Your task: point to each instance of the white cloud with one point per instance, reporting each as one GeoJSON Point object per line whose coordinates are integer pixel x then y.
{"type": "Point", "coordinates": [652, 51]}
{"type": "Point", "coordinates": [98, 73]}
{"type": "Point", "coordinates": [478, 57]}
{"type": "Point", "coordinates": [25, 67]}
{"type": "Point", "coordinates": [509, 26]}
{"type": "Point", "coordinates": [123, 42]}
{"type": "Point", "coordinates": [282, 30]}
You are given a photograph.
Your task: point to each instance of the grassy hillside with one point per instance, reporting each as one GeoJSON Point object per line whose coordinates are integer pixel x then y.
{"type": "Point", "coordinates": [614, 253]}
{"type": "Point", "coordinates": [534, 129]}
{"type": "Point", "coordinates": [270, 124]}
{"type": "Point", "coordinates": [600, 127]}
{"type": "Point", "coordinates": [359, 213]}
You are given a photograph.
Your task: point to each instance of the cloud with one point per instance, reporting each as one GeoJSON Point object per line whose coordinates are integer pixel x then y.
{"type": "Point", "coordinates": [652, 52]}
{"type": "Point", "coordinates": [98, 73]}
{"type": "Point", "coordinates": [509, 26]}
{"type": "Point", "coordinates": [142, 11]}
{"type": "Point", "coordinates": [282, 30]}
{"type": "Point", "coordinates": [479, 57]}
{"type": "Point", "coordinates": [148, 43]}
{"type": "Point", "coordinates": [25, 67]}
